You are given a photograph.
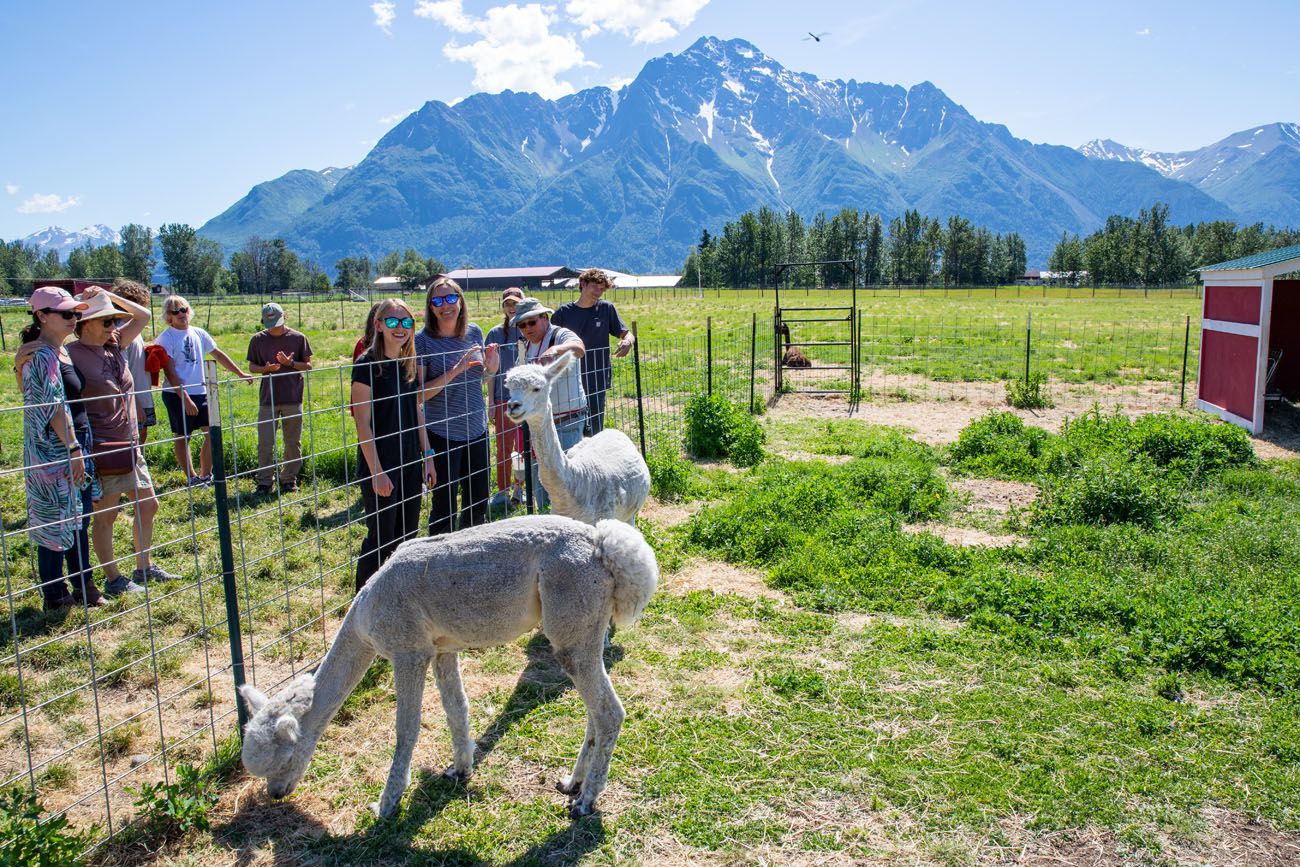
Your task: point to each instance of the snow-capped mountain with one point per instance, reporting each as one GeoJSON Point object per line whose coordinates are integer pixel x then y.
{"type": "Point", "coordinates": [58, 238]}
{"type": "Point", "coordinates": [1256, 172]}
{"type": "Point", "coordinates": [695, 140]}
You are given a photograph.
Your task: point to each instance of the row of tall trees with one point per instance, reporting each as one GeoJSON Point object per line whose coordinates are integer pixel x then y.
{"type": "Point", "coordinates": [132, 257]}
{"type": "Point", "coordinates": [1148, 251]}
{"type": "Point", "coordinates": [909, 250]}
{"type": "Point", "coordinates": [198, 265]}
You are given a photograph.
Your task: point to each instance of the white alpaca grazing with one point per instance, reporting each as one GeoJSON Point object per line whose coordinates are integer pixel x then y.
{"type": "Point", "coordinates": [601, 477]}
{"type": "Point", "coordinates": [476, 588]}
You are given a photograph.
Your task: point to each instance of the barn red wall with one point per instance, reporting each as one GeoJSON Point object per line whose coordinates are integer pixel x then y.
{"type": "Point", "coordinates": [1284, 332]}
{"type": "Point", "coordinates": [1233, 303]}
{"type": "Point", "coordinates": [1228, 371]}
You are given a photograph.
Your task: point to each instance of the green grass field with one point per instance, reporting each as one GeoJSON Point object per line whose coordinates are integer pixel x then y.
{"type": "Point", "coordinates": [823, 677]}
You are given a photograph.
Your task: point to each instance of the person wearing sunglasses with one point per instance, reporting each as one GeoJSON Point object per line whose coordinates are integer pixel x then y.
{"type": "Point", "coordinates": [393, 453]}
{"type": "Point", "coordinates": [186, 395]}
{"type": "Point", "coordinates": [56, 437]}
{"type": "Point", "coordinates": [542, 343]}
{"type": "Point", "coordinates": [108, 385]}
{"type": "Point", "coordinates": [508, 438]}
{"type": "Point", "coordinates": [453, 358]}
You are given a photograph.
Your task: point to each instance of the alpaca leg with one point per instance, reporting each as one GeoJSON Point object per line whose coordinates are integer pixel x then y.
{"type": "Point", "coordinates": [409, 671]}
{"type": "Point", "coordinates": [605, 718]}
{"type": "Point", "coordinates": [572, 784]}
{"type": "Point", "coordinates": [456, 706]}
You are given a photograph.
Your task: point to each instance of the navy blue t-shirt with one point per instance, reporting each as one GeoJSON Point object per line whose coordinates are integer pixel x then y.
{"type": "Point", "coordinates": [595, 325]}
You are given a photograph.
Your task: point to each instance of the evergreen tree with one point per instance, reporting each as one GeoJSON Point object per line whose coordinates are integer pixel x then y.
{"type": "Point", "coordinates": [137, 253]}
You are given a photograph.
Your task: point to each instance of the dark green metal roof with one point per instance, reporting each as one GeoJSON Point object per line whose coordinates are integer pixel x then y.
{"type": "Point", "coordinates": [1259, 260]}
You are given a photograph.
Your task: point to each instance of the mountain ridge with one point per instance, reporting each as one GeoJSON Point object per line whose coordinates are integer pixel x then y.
{"type": "Point", "coordinates": [693, 141]}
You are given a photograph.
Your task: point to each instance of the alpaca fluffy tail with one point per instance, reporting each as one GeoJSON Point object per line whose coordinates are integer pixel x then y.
{"type": "Point", "coordinates": [636, 572]}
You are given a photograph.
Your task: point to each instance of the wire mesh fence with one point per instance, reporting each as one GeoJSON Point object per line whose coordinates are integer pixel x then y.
{"type": "Point", "coordinates": [245, 574]}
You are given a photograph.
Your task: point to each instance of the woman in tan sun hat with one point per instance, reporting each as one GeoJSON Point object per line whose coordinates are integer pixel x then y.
{"type": "Point", "coordinates": [107, 324]}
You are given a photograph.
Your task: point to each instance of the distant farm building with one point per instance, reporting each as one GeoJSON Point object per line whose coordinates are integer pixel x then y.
{"type": "Point", "coordinates": [634, 281]}
{"type": "Point", "coordinates": [1030, 278]}
{"type": "Point", "coordinates": [496, 279]}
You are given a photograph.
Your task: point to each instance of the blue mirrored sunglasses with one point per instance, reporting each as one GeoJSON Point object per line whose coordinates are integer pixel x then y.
{"type": "Point", "coordinates": [439, 300]}
{"type": "Point", "coordinates": [399, 322]}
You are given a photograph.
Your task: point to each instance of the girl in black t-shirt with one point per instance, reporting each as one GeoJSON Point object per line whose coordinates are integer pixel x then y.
{"type": "Point", "coordinates": [393, 454]}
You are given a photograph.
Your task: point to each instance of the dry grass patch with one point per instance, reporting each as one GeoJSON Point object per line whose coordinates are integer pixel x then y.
{"type": "Point", "coordinates": [701, 574]}
{"type": "Point", "coordinates": [666, 515]}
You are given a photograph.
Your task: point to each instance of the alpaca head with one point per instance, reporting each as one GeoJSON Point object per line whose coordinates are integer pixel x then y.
{"type": "Point", "coordinates": [530, 388]}
{"type": "Point", "coordinates": [273, 746]}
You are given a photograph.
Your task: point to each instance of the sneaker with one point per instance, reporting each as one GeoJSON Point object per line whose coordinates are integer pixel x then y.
{"type": "Point", "coordinates": [121, 584]}
{"type": "Point", "coordinates": [267, 488]}
{"type": "Point", "coordinates": [289, 486]}
{"type": "Point", "coordinates": [199, 481]}
{"type": "Point", "coordinates": [153, 573]}
{"type": "Point", "coordinates": [60, 603]}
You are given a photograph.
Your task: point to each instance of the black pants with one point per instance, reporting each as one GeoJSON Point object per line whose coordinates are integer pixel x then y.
{"type": "Point", "coordinates": [464, 468]}
{"type": "Point", "coordinates": [49, 563]}
{"type": "Point", "coordinates": [389, 520]}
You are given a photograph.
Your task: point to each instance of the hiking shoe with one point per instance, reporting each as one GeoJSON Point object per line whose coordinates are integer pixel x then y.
{"type": "Point", "coordinates": [200, 481]}
{"type": "Point", "coordinates": [289, 486]}
{"type": "Point", "coordinates": [153, 573]}
{"type": "Point", "coordinates": [267, 488]}
{"type": "Point", "coordinates": [121, 584]}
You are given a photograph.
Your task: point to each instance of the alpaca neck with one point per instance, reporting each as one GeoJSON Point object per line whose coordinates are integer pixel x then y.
{"type": "Point", "coordinates": [346, 663]}
{"type": "Point", "coordinates": [553, 466]}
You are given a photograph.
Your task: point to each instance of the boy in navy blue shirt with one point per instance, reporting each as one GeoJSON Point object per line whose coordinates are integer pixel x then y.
{"type": "Point", "coordinates": [595, 321]}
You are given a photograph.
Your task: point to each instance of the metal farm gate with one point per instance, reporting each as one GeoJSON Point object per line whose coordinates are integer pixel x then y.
{"type": "Point", "coordinates": [833, 365]}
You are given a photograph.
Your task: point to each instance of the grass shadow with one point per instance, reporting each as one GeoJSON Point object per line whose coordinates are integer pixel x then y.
{"type": "Point", "coordinates": [283, 824]}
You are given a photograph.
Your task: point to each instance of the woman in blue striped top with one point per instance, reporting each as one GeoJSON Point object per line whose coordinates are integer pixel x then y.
{"type": "Point", "coordinates": [454, 358]}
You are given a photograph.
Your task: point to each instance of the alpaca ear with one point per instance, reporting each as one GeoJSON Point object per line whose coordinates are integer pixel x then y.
{"type": "Point", "coordinates": [299, 694]}
{"type": "Point", "coordinates": [286, 730]}
{"type": "Point", "coordinates": [254, 699]}
{"type": "Point", "coordinates": [561, 363]}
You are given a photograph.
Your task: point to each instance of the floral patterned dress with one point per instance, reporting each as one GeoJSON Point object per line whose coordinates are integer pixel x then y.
{"type": "Point", "coordinates": [53, 501]}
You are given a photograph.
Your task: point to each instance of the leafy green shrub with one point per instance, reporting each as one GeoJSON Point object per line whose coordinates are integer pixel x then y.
{"type": "Point", "coordinates": [1028, 393]}
{"type": "Point", "coordinates": [33, 840]}
{"type": "Point", "coordinates": [1108, 490]}
{"type": "Point", "coordinates": [717, 429]}
{"type": "Point", "coordinates": [670, 474]}
{"type": "Point", "coordinates": [9, 690]}
{"type": "Point", "coordinates": [1191, 446]}
{"type": "Point", "coordinates": [178, 807]}
{"type": "Point", "coordinates": [1000, 444]}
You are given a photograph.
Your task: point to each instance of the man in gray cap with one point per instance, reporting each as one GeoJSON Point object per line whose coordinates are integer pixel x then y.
{"type": "Point", "coordinates": [280, 354]}
{"type": "Point", "coordinates": [541, 343]}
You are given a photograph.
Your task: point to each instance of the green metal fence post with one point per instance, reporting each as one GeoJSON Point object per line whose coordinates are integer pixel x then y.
{"type": "Point", "coordinates": [636, 364]}
{"type": "Point", "coordinates": [1187, 339]}
{"type": "Point", "coordinates": [225, 543]}
{"type": "Point", "coordinates": [1029, 339]}
{"type": "Point", "coordinates": [753, 360]}
{"type": "Point", "coordinates": [708, 337]}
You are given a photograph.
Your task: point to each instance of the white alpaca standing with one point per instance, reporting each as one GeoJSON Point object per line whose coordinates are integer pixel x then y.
{"type": "Point", "coordinates": [603, 476]}
{"type": "Point", "coordinates": [479, 587]}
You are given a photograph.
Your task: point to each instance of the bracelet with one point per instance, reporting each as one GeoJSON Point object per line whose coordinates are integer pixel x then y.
{"type": "Point", "coordinates": [75, 447]}
{"type": "Point", "coordinates": [430, 453]}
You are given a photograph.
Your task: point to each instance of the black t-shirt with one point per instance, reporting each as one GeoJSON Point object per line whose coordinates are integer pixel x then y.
{"type": "Point", "coordinates": [595, 325]}
{"type": "Point", "coordinates": [72, 386]}
{"type": "Point", "coordinates": [393, 412]}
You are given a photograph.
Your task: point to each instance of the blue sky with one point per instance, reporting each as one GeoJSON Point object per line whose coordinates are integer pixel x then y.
{"type": "Point", "coordinates": [154, 112]}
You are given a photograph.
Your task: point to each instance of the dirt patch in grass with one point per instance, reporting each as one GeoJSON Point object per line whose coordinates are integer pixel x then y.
{"type": "Point", "coordinates": [964, 537]}
{"type": "Point", "coordinates": [719, 577]}
{"type": "Point", "coordinates": [994, 495]}
{"type": "Point", "coordinates": [938, 411]}
{"type": "Point", "coordinates": [663, 514]}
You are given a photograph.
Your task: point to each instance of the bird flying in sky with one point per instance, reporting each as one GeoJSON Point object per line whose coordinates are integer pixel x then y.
{"type": "Point", "coordinates": [817, 37]}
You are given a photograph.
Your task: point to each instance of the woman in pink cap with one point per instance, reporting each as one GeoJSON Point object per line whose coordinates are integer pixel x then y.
{"type": "Point", "coordinates": [59, 476]}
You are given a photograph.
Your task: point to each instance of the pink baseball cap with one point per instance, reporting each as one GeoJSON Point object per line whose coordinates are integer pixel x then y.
{"type": "Point", "coordinates": [54, 298]}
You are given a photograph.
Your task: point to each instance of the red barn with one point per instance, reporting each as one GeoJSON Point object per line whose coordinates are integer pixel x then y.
{"type": "Point", "coordinates": [1250, 335]}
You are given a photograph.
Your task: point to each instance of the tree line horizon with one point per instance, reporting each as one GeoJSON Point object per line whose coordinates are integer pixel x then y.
{"type": "Point", "coordinates": [908, 250]}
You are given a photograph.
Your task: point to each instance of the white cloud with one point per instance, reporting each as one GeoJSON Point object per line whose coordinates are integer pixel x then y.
{"type": "Point", "coordinates": [385, 11]}
{"type": "Point", "coordinates": [643, 20]}
{"type": "Point", "coordinates": [48, 203]}
{"type": "Point", "coordinates": [619, 82]}
{"type": "Point", "coordinates": [515, 49]}
{"type": "Point", "coordinates": [390, 119]}
{"type": "Point", "coordinates": [12, 189]}
{"type": "Point", "coordinates": [1145, 31]}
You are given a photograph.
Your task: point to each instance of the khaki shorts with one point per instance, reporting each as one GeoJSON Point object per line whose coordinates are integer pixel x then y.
{"type": "Point", "coordinates": [115, 486]}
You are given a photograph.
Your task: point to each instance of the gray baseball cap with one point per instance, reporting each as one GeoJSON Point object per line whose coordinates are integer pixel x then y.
{"type": "Point", "coordinates": [272, 315]}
